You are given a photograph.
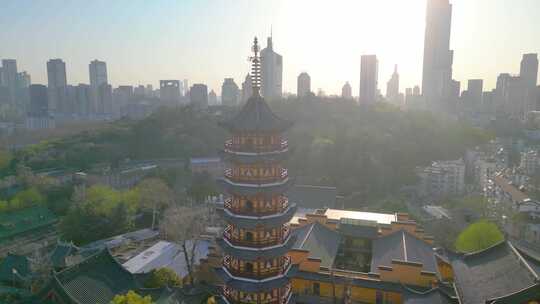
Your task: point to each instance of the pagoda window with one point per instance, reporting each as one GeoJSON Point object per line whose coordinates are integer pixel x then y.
{"type": "Point", "coordinates": [249, 267]}
{"type": "Point", "coordinates": [316, 288]}
{"type": "Point", "coordinates": [249, 206]}
{"type": "Point", "coordinates": [249, 236]}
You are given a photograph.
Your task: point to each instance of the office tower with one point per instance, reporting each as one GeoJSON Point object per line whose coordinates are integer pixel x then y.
{"type": "Point", "coordinates": [246, 88]}
{"type": "Point", "coordinates": [57, 83]}
{"type": "Point", "coordinates": [56, 73]}
{"type": "Point", "coordinates": [198, 95]}
{"type": "Point", "coordinates": [185, 93]}
{"type": "Point", "coordinates": [229, 93]}
{"type": "Point", "coordinates": [438, 58]}
{"type": "Point", "coordinates": [473, 99]}
{"type": "Point", "coordinates": [122, 96]}
{"type": "Point", "coordinates": [10, 78]}
{"type": "Point", "coordinates": [149, 91]}
{"type": "Point", "coordinates": [105, 99]}
{"type": "Point", "coordinates": [169, 92]}
{"type": "Point", "coordinates": [98, 73]}
{"type": "Point", "coordinates": [346, 91]}
{"type": "Point", "coordinates": [369, 73]}
{"type": "Point", "coordinates": [140, 91]}
{"type": "Point", "coordinates": [38, 114]}
{"type": "Point", "coordinates": [23, 80]}
{"type": "Point", "coordinates": [83, 100]}
{"type": "Point", "coordinates": [303, 86]}
{"type": "Point", "coordinates": [255, 266]}
{"type": "Point", "coordinates": [272, 72]}
{"type": "Point", "coordinates": [392, 87]}
{"type": "Point", "coordinates": [416, 91]}
{"type": "Point", "coordinates": [212, 98]}
{"type": "Point", "coordinates": [529, 69]}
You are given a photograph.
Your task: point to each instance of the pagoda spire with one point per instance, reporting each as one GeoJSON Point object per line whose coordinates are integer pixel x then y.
{"type": "Point", "coordinates": [255, 68]}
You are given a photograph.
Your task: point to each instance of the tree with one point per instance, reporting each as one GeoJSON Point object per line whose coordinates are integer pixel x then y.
{"type": "Point", "coordinates": [201, 187]}
{"type": "Point", "coordinates": [163, 277]}
{"type": "Point", "coordinates": [184, 226]}
{"type": "Point", "coordinates": [478, 236]}
{"type": "Point", "coordinates": [154, 194]}
{"type": "Point", "coordinates": [131, 297]}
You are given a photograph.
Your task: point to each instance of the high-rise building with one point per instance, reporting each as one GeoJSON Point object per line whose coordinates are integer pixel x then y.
{"type": "Point", "coordinates": [185, 93]}
{"type": "Point", "coordinates": [98, 73]}
{"type": "Point", "coordinates": [24, 80]}
{"type": "Point", "coordinates": [246, 88]}
{"type": "Point", "coordinates": [56, 73]}
{"type": "Point", "coordinates": [369, 74]}
{"type": "Point", "coordinates": [303, 87]}
{"type": "Point", "coordinates": [229, 93]}
{"type": "Point", "coordinates": [57, 83]}
{"type": "Point", "coordinates": [10, 78]}
{"type": "Point", "coordinates": [474, 93]}
{"type": "Point", "coordinates": [38, 114]}
{"type": "Point", "coordinates": [83, 100]}
{"type": "Point", "coordinates": [105, 100]}
{"type": "Point", "coordinates": [169, 92]}
{"type": "Point", "coordinates": [212, 98]}
{"type": "Point", "coordinates": [255, 267]}
{"type": "Point", "coordinates": [346, 91]}
{"type": "Point", "coordinates": [438, 58]}
{"type": "Point", "coordinates": [392, 87]}
{"type": "Point", "coordinates": [272, 72]}
{"type": "Point", "coordinates": [198, 95]}
{"type": "Point", "coordinates": [529, 69]}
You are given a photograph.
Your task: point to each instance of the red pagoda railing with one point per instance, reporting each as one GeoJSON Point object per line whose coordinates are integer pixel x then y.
{"type": "Point", "coordinates": [258, 274]}
{"type": "Point", "coordinates": [256, 243]}
{"type": "Point", "coordinates": [281, 206]}
{"type": "Point", "coordinates": [253, 148]}
{"type": "Point", "coordinates": [229, 173]}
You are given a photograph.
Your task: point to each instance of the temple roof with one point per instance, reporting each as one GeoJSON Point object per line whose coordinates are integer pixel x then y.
{"type": "Point", "coordinates": [320, 241]}
{"type": "Point", "coordinates": [254, 286]}
{"type": "Point", "coordinates": [251, 255]}
{"type": "Point", "coordinates": [14, 262]}
{"type": "Point", "coordinates": [402, 246]}
{"type": "Point", "coordinates": [256, 116]}
{"type": "Point", "coordinates": [495, 272]}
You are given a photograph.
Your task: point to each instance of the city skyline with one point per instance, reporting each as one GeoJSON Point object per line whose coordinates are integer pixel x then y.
{"type": "Point", "coordinates": [159, 43]}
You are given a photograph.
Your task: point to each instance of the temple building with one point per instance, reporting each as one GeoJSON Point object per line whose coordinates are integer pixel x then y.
{"type": "Point", "coordinates": [257, 236]}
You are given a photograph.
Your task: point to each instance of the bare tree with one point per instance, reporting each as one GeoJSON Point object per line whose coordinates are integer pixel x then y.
{"type": "Point", "coordinates": [184, 226]}
{"type": "Point", "coordinates": [41, 267]}
{"type": "Point", "coordinates": [155, 194]}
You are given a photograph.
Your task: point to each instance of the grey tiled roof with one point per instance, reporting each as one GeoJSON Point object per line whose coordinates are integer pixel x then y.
{"type": "Point", "coordinates": [402, 246]}
{"type": "Point", "coordinates": [492, 273]}
{"type": "Point", "coordinates": [320, 241]}
{"type": "Point", "coordinates": [316, 197]}
{"type": "Point", "coordinates": [256, 116]}
{"type": "Point", "coordinates": [434, 296]}
{"type": "Point", "coordinates": [251, 223]}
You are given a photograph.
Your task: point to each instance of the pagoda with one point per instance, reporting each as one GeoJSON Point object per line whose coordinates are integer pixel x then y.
{"type": "Point", "coordinates": [257, 235]}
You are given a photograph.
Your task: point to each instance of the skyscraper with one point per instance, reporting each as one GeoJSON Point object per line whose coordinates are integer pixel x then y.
{"type": "Point", "coordinates": [392, 87]}
{"type": "Point", "coordinates": [57, 85]}
{"type": "Point", "coordinates": [10, 78]}
{"type": "Point", "coordinates": [369, 74]}
{"type": "Point", "coordinates": [56, 73]}
{"type": "Point", "coordinates": [212, 98]}
{"type": "Point", "coordinates": [438, 58]}
{"type": "Point", "coordinates": [98, 73]}
{"type": "Point", "coordinates": [246, 88]}
{"type": "Point", "coordinates": [529, 69]}
{"type": "Point", "coordinates": [272, 72]}
{"type": "Point", "coordinates": [474, 93]}
{"type": "Point", "coordinates": [38, 108]}
{"type": "Point", "coordinates": [303, 85]}
{"type": "Point", "coordinates": [229, 93]}
{"type": "Point", "coordinates": [346, 91]}
{"type": "Point", "coordinates": [198, 95]}
{"type": "Point", "coordinates": [169, 92]}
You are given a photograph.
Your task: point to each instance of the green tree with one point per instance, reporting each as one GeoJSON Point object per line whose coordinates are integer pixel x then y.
{"type": "Point", "coordinates": [202, 186]}
{"type": "Point", "coordinates": [478, 236]}
{"type": "Point", "coordinates": [131, 297]}
{"type": "Point", "coordinates": [163, 277]}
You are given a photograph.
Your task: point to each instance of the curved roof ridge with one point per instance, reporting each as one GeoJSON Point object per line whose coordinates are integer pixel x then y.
{"type": "Point", "coordinates": [474, 253]}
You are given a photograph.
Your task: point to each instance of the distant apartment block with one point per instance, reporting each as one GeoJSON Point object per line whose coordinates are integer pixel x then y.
{"type": "Point", "coordinates": [442, 178]}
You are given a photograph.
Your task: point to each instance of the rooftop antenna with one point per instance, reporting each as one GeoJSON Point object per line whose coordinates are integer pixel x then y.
{"type": "Point", "coordinates": [255, 68]}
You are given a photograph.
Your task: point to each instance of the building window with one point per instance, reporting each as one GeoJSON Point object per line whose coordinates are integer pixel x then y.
{"type": "Point", "coordinates": [249, 267]}
{"type": "Point", "coordinates": [316, 289]}
{"type": "Point", "coordinates": [249, 236]}
{"type": "Point", "coordinates": [249, 206]}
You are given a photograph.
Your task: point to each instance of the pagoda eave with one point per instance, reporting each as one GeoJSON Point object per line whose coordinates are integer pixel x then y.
{"type": "Point", "coordinates": [253, 285]}
{"type": "Point", "coordinates": [250, 158]}
{"type": "Point", "coordinates": [253, 222]}
{"type": "Point", "coordinates": [260, 253]}
{"type": "Point", "coordinates": [254, 189]}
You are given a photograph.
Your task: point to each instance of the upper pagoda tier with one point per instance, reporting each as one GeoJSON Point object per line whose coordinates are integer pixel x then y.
{"type": "Point", "coordinates": [256, 117]}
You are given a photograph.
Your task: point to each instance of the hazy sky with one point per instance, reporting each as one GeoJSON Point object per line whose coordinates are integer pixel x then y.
{"type": "Point", "coordinates": [207, 40]}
